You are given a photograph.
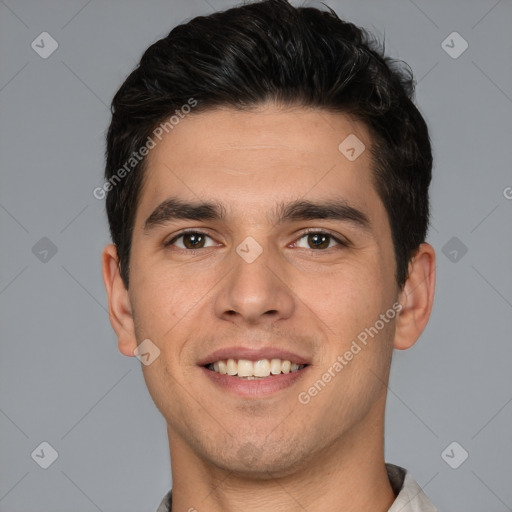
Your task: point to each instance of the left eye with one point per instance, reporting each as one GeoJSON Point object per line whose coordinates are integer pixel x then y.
{"type": "Point", "coordinates": [319, 240]}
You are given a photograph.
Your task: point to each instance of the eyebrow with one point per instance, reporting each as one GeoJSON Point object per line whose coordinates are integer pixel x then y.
{"type": "Point", "coordinates": [339, 209]}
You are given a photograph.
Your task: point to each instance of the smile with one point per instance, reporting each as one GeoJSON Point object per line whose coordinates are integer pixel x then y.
{"type": "Point", "coordinates": [251, 370]}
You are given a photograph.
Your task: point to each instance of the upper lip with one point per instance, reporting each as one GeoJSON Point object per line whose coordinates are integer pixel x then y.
{"type": "Point", "coordinates": [251, 354]}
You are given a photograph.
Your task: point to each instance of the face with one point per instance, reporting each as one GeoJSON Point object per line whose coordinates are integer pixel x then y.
{"type": "Point", "coordinates": [257, 277]}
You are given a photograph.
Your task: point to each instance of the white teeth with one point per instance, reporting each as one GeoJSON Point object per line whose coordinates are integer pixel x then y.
{"type": "Point", "coordinates": [223, 367]}
{"type": "Point", "coordinates": [275, 366]}
{"type": "Point", "coordinates": [245, 368]}
{"type": "Point", "coordinates": [261, 368]}
{"type": "Point", "coordinates": [250, 370]}
{"type": "Point", "coordinates": [232, 367]}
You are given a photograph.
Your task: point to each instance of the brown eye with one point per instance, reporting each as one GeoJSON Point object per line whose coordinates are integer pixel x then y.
{"type": "Point", "coordinates": [319, 240]}
{"type": "Point", "coordinates": [190, 240]}
{"type": "Point", "coordinates": [193, 240]}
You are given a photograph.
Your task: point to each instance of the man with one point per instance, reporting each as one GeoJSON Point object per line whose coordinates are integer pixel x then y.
{"type": "Point", "coordinates": [267, 177]}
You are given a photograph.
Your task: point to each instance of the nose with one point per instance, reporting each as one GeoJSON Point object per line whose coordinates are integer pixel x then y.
{"type": "Point", "coordinates": [255, 292]}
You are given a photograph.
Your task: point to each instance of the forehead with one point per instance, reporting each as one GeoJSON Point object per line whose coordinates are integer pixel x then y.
{"type": "Point", "coordinates": [252, 160]}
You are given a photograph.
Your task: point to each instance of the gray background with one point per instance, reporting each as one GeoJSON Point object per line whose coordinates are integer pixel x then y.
{"type": "Point", "coordinates": [62, 379]}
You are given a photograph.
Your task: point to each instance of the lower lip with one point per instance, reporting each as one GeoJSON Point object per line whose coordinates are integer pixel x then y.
{"type": "Point", "coordinates": [254, 388]}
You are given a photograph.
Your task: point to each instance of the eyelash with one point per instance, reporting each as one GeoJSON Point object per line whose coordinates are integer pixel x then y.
{"type": "Point", "coordinates": [303, 234]}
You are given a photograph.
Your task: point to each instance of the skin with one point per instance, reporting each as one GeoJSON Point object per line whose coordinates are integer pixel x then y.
{"type": "Point", "coordinates": [231, 453]}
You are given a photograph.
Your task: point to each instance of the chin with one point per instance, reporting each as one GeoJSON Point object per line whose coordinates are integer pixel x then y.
{"type": "Point", "coordinates": [247, 460]}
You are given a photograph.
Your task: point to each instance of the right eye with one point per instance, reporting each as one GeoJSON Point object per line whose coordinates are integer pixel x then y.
{"type": "Point", "coordinates": [192, 240]}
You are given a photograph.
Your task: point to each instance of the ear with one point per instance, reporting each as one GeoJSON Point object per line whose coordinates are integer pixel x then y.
{"type": "Point", "coordinates": [416, 297]}
{"type": "Point", "coordinates": [119, 306]}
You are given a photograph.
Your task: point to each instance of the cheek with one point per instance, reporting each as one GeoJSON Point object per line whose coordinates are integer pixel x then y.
{"type": "Point", "coordinates": [348, 298]}
{"type": "Point", "coordinates": [165, 390]}
{"type": "Point", "coordinates": [164, 296]}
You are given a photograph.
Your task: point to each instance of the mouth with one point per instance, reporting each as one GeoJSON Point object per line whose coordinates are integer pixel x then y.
{"type": "Point", "coordinates": [254, 370]}
{"type": "Point", "coordinates": [249, 373]}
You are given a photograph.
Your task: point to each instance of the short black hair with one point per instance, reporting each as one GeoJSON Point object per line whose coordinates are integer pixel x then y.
{"type": "Point", "coordinates": [271, 51]}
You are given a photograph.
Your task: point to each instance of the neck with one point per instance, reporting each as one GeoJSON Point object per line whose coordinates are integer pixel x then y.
{"type": "Point", "coordinates": [348, 475]}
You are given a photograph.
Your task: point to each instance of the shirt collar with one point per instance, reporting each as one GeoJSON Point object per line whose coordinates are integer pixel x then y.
{"type": "Point", "coordinates": [409, 495]}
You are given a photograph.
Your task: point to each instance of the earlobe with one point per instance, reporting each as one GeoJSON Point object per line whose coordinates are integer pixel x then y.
{"type": "Point", "coordinates": [416, 298]}
{"type": "Point", "coordinates": [119, 306]}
